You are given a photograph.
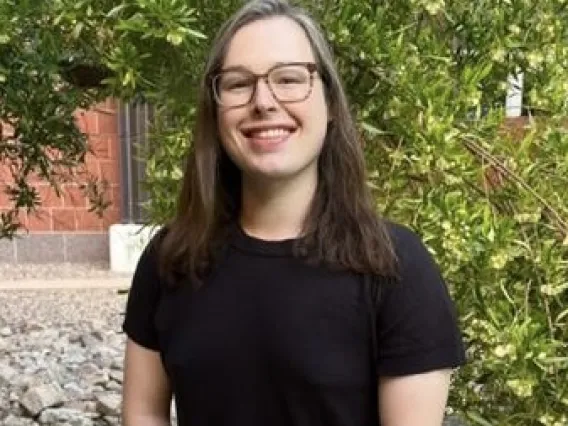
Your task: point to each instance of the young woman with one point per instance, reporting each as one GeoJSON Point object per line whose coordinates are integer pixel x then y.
{"type": "Point", "coordinates": [276, 296]}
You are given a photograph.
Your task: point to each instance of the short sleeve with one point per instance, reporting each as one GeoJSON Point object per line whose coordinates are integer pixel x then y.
{"type": "Point", "coordinates": [143, 299]}
{"type": "Point", "coordinates": [417, 327]}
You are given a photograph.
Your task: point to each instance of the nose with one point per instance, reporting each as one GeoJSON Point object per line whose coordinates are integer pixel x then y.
{"type": "Point", "coordinates": [263, 98]}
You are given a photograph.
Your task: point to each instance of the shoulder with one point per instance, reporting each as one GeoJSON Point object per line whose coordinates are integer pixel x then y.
{"type": "Point", "coordinates": [409, 247]}
{"type": "Point", "coordinates": [155, 236]}
{"type": "Point", "coordinates": [144, 294]}
{"type": "Point", "coordinates": [417, 320]}
{"type": "Point", "coordinates": [147, 270]}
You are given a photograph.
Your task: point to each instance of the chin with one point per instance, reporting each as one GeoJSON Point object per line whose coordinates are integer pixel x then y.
{"type": "Point", "coordinates": [280, 172]}
{"type": "Point", "coordinates": [275, 173]}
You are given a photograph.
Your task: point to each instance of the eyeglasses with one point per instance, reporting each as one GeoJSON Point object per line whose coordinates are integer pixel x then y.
{"type": "Point", "coordinates": [289, 82]}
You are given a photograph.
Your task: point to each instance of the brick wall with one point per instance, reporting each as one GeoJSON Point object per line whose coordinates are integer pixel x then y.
{"type": "Point", "coordinates": [63, 228]}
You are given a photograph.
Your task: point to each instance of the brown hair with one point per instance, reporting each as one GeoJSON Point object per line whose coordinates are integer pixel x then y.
{"type": "Point", "coordinates": [342, 228]}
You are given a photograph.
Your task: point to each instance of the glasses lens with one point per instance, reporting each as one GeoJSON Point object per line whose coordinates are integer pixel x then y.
{"type": "Point", "coordinates": [234, 88]}
{"type": "Point", "coordinates": [290, 82]}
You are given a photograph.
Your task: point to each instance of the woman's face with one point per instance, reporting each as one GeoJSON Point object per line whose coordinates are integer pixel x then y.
{"type": "Point", "coordinates": [268, 137]}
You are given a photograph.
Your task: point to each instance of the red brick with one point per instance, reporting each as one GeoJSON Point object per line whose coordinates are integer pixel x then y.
{"type": "Point", "coordinates": [48, 197]}
{"type": "Point", "coordinates": [81, 121]}
{"type": "Point", "coordinates": [93, 123]}
{"type": "Point", "coordinates": [92, 165]}
{"type": "Point", "coordinates": [73, 196]}
{"type": "Point", "coordinates": [6, 130]}
{"type": "Point", "coordinates": [88, 221]}
{"type": "Point", "coordinates": [110, 104]}
{"type": "Point", "coordinates": [5, 174]}
{"type": "Point", "coordinates": [99, 146]}
{"type": "Point", "coordinates": [109, 171]}
{"type": "Point", "coordinates": [35, 179]}
{"type": "Point", "coordinates": [111, 216]}
{"type": "Point", "coordinates": [107, 123]}
{"type": "Point", "coordinates": [113, 147]}
{"type": "Point", "coordinates": [21, 216]}
{"type": "Point", "coordinates": [87, 122]}
{"type": "Point", "coordinates": [116, 196]}
{"type": "Point", "coordinates": [4, 198]}
{"type": "Point", "coordinates": [107, 106]}
{"type": "Point", "coordinates": [64, 220]}
{"type": "Point", "coordinates": [40, 220]}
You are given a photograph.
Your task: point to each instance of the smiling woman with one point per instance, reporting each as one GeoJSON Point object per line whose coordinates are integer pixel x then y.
{"type": "Point", "coordinates": [276, 295]}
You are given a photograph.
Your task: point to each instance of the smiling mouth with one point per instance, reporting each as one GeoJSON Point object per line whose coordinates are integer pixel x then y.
{"type": "Point", "coordinates": [275, 134]}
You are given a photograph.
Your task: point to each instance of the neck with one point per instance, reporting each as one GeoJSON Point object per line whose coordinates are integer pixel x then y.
{"type": "Point", "coordinates": [276, 210]}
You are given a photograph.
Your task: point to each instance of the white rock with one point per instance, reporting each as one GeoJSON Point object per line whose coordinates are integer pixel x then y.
{"type": "Point", "coordinates": [74, 391]}
{"type": "Point", "coordinates": [113, 386]}
{"type": "Point", "coordinates": [4, 347]}
{"type": "Point", "coordinates": [7, 374]}
{"type": "Point", "coordinates": [117, 376]}
{"type": "Point", "coordinates": [66, 416]}
{"type": "Point", "coordinates": [109, 404]}
{"type": "Point", "coordinates": [41, 397]}
{"type": "Point", "coordinates": [13, 420]}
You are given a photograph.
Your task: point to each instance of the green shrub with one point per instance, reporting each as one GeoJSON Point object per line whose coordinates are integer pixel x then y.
{"type": "Point", "coordinates": [428, 85]}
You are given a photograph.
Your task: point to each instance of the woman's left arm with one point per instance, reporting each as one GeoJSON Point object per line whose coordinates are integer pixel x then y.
{"type": "Point", "coordinates": [419, 343]}
{"type": "Point", "coordinates": [418, 399]}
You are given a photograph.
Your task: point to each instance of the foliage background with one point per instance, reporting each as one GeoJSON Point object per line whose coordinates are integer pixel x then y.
{"type": "Point", "coordinates": [428, 80]}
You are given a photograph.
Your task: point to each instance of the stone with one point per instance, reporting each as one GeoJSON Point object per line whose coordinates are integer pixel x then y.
{"type": "Point", "coordinates": [100, 378]}
{"type": "Point", "coordinates": [67, 416]}
{"type": "Point", "coordinates": [113, 386]}
{"type": "Point", "coordinates": [109, 404]}
{"type": "Point", "coordinates": [4, 347]}
{"type": "Point", "coordinates": [41, 397]}
{"type": "Point", "coordinates": [117, 376]}
{"type": "Point", "coordinates": [88, 407]}
{"type": "Point", "coordinates": [112, 420]}
{"type": "Point", "coordinates": [74, 392]}
{"type": "Point", "coordinates": [12, 420]}
{"type": "Point", "coordinates": [61, 353]}
{"type": "Point", "coordinates": [117, 363]}
{"type": "Point", "coordinates": [7, 374]}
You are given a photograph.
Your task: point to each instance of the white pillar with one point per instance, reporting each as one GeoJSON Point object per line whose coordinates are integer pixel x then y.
{"type": "Point", "coordinates": [514, 101]}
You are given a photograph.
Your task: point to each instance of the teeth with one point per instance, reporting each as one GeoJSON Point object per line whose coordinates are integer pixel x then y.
{"type": "Point", "coordinates": [270, 133]}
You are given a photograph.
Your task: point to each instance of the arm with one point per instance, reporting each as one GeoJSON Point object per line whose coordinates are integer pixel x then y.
{"type": "Point", "coordinates": [146, 393]}
{"type": "Point", "coordinates": [418, 399]}
{"type": "Point", "coordinates": [419, 342]}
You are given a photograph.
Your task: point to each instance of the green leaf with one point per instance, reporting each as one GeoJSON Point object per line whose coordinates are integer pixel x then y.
{"type": "Point", "coordinates": [174, 38]}
{"type": "Point", "coordinates": [196, 34]}
{"type": "Point", "coordinates": [115, 11]}
{"type": "Point", "coordinates": [478, 419]}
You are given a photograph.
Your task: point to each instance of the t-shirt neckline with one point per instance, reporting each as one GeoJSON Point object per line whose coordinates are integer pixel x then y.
{"type": "Point", "coordinates": [243, 241]}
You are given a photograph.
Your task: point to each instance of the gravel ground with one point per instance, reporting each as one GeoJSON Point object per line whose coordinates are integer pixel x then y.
{"type": "Point", "coordinates": [60, 349]}
{"type": "Point", "coordinates": [53, 271]}
{"type": "Point", "coordinates": [91, 308]}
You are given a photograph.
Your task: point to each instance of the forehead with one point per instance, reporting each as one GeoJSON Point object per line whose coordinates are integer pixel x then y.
{"type": "Point", "coordinates": [261, 44]}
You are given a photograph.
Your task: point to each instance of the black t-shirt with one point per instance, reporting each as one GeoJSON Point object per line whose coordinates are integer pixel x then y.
{"type": "Point", "coordinates": [271, 340]}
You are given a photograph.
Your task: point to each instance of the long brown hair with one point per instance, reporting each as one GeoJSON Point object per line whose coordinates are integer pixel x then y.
{"type": "Point", "coordinates": [342, 228]}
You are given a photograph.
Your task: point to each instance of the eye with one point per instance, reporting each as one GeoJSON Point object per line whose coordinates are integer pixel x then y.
{"type": "Point", "coordinates": [234, 82]}
{"type": "Point", "coordinates": [289, 80]}
{"type": "Point", "coordinates": [237, 85]}
{"type": "Point", "coordinates": [290, 76]}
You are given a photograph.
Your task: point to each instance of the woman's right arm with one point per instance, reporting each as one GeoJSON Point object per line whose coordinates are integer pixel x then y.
{"type": "Point", "coordinates": [146, 392]}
